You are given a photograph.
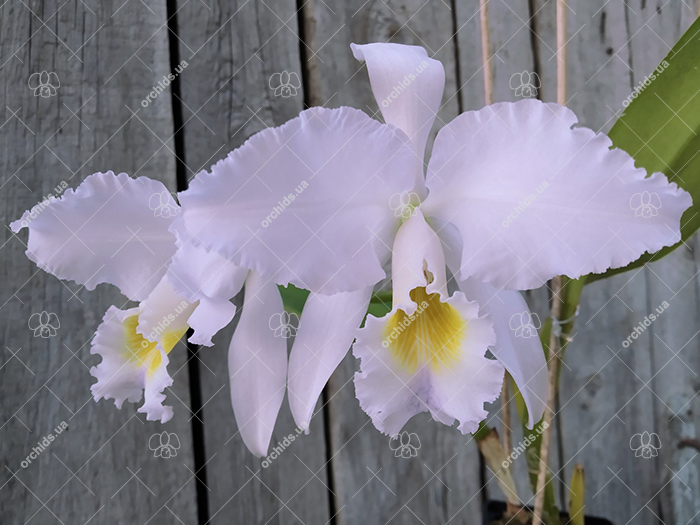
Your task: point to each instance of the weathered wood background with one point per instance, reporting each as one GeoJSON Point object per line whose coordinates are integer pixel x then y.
{"type": "Point", "coordinates": [108, 54]}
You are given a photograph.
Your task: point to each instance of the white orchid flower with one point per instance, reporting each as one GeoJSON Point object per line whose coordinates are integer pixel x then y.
{"type": "Point", "coordinates": [514, 195]}
{"type": "Point", "coordinates": [107, 231]}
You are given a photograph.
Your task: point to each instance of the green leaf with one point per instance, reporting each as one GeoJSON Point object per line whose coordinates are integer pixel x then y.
{"type": "Point", "coordinates": [378, 309]}
{"type": "Point", "coordinates": [659, 129]}
{"type": "Point", "coordinates": [293, 298]}
{"type": "Point", "coordinates": [576, 496]}
{"type": "Point", "coordinates": [482, 431]}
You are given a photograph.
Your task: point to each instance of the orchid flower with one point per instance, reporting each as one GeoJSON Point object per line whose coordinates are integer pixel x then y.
{"type": "Point", "coordinates": [118, 230]}
{"type": "Point", "coordinates": [514, 195]}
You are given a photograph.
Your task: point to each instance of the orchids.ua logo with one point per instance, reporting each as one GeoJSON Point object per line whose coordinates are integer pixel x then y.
{"type": "Point", "coordinates": [644, 324]}
{"type": "Point", "coordinates": [403, 324]}
{"type": "Point", "coordinates": [283, 204]}
{"type": "Point", "coordinates": [43, 444]}
{"type": "Point", "coordinates": [523, 204]}
{"type": "Point", "coordinates": [44, 324]}
{"type": "Point", "coordinates": [525, 325]}
{"type": "Point", "coordinates": [163, 84]}
{"type": "Point", "coordinates": [164, 323]}
{"type": "Point", "coordinates": [43, 204]}
{"type": "Point", "coordinates": [405, 445]}
{"type": "Point", "coordinates": [525, 84]}
{"type": "Point", "coordinates": [163, 204]}
{"type": "Point", "coordinates": [522, 446]}
{"type": "Point", "coordinates": [645, 83]}
{"type": "Point", "coordinates": [282, 446]}
{"type": "Point", "coordinates": [403, 84]}
{"type": "Point", "coordinates": [284, 324]}
{"type": "Point", "coordinates": [44, 84]}
{"type": "Point", "coordinates": [645, 204]}
{"type": "Point", "coordinates": [285, 84]}
{"type": "Point", "coordinates": [404, 204]}
{"type": "Point", "coordinates": [164, 445]}
{"type": "Point", "coordinates": [645, 445]}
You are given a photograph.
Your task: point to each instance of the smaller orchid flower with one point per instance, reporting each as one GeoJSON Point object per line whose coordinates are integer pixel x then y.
{"type": "Point", "coordinates": [514, 195]}
{"type": "Point", "coordinates": [105, 232]}
{"type": "Point", "coordinates": [127, 232]}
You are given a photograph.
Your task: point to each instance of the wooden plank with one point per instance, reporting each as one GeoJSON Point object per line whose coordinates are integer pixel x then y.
{"type": "Point", "coordinates": [511, 48]}
{"type": "Point", "coordinates": [335, 76]}
{"type": "Point", "coordinates": [233, 50]}
{"type": "Point", "coordinates": [442, 483]}
{"type": "Point", "coordinates": [674, 349]}
{"type": "Point", "coordinates": [513, 63]}
{"type": "Point", "coordinates": [107, 56]}
{"type": "Point", "coordinates": [604, 395]}
{"type": "Point", "coordinates": [598, 82]}
{"type": "Point", "coordinates": [674, 343]}
{"type": "Point", "coordinates": [600, 397]}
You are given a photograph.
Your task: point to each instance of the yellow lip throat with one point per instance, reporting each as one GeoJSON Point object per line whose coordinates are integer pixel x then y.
{"type": "Point", "coordinates": [432, 335]}
{"type": "Point", "coordinates": [143, 352]}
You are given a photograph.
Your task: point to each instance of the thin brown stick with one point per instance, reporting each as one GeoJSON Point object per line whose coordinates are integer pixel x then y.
{"type": "Point", "coordinates": [555, 286]}
{"type": "Point", "coordinates": [486, 51]}
{"type": "Point", "coordinates": [561, 53]}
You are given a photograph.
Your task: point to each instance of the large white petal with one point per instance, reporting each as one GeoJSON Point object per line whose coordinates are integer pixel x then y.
{"type": "Point", "coordinates": [326, 331]}
{"type": "Point", "coordinates": [307, 202]}
{"type": "Point", "coordinates": [131, 365]}
{"type": "Point", "coordinates": [257, 362]}
{"type": "Point", "coordinates": [518, 345]}
{"type": "Point", "coordinates": [391, 394]}
{"type": "Point", "coordinates": [534, 198]}
{"type": "Point", "coordinates": [111, 229]}
{"type": "Point", "coordinates": [408, 87]}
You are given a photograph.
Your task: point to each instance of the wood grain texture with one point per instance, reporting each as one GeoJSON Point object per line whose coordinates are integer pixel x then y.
{"type": "Point", "coordinates": [107, 57]}
{"type": "Point", "coordinates": [607, 392]}
{"type": "Point", "coordinates": [601, 397]}
{"type": "Point", "coordinates": [674, 340]}
{"type": "Point", "coordinates": [511, 50]}
{"type": "Point", "coordinates": [514, 65]}
{"type": "Point", "coordinates": [443, 482]}
{"type": "Point", "coordinates": [598, 80]}
{"type": "Point", "coordinates": [234, 50]}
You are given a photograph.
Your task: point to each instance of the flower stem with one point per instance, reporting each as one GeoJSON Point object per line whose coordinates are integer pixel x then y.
{"type": "Point", "coordinates": [553, 372]}
{"type": "Point", "coordinates": [505, 416]}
